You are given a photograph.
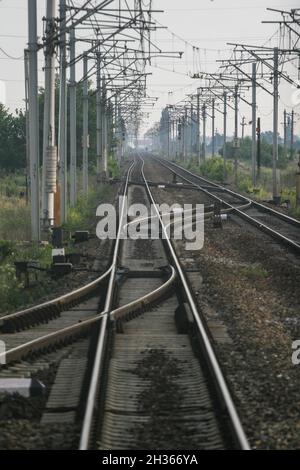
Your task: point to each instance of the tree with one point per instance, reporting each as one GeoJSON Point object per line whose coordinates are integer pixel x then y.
{"type": "Point", "coordinates": [266, 149]}
{"type": "Point", "coordinates": [12, 140]}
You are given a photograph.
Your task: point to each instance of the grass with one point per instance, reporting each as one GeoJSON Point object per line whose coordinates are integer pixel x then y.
{"type": "Point", "coordinates": [12, 292]}
{"type": "Point", "coordinates": [113, 167]}
{"type": "Point", "coordinates": [14, 219]}
{"type": "Point", "coordinates": [255, 271]}
{"type": "Point", "coordinates": [212, 168]}
{"type": "Point", "coordinates": [14, 213]}
{"type": "Point", "coordinates": [263, 189]}
{"type": "Point", "coordinates": [82, 216]}
{"type": "Point", "coordinates": [12, 185]}
{"type": "Point", "coordinates": [15, 229]}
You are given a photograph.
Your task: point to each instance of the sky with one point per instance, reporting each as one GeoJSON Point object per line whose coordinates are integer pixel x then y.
{"type": "Point", "coordinates": [204, 24]}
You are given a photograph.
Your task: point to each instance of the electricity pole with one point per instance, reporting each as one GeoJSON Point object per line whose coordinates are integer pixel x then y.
{"type": "Point", "coordinates": [204, 131]}
{"type": "Point", "coordinates": [276, 196]}
{"type": "Point", "coordinates": [33, 120]}
{"type": "Point", "coordinates": [236, 115]}
{"type": "Point", "coordinates": [169, 135]}
{"type": "Point", "coordinates": [258, 147]}
{"type": "Point", "coordinates": [285, 132]}
{"type": "Point", "coordinates": [185, 135]}
{"type": "Point", "coordinates": [49, 147]}
{"type": "Point", "coordinates": [62, 124]}
{"type": "Point", "coordinates": [85, 137]}
{"type": "Point", "coordinates": [118, 133]}
{"type": "Point", "coordinates": [213, 129]}
{"type": "Point", "coordinates": [224, 136]}
{"type": "Point", "coordinates": [104, 131]}
{"type": "Point", "coordinates": [253, 149]}
{"type": "Point", "coordinates": [73, 136]}
{"type": "Point", "coordinates": [99, 113]}
{"type": "Point", "coordinates": [198, 128]}
{"type": "Point", "coordinates": [292, 134]}
{"type": "Point", "coordinates": [192, 129]}
{"type": "Point", "coordinates": [26, 74]}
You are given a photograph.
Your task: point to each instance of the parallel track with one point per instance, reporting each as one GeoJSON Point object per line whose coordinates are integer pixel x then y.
{"type": "Point", "coordinates": [130, 344]}
{"type": "Point", "coordinates": [142, 320]}
{"type": "Point", "coordinates": [279, 226]}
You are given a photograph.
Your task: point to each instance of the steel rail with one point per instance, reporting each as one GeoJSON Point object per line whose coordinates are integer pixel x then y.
{"type": "Point", "coordinates": [145, 300]}
{"type": "Point", "coordinates": [116, 314]}
{"type": "Point", "coordinates": [100, 351]}
{"type": "Point", "coordinates": [58, 304]}
{"type": "Point", "coordinates": [76, 330]}
{"type": "Point", "coordinates": [239, 211]}
{"type": "Point", "coordinates": [280, 215]}
{"type": "Point", "coordinates": [73, 331]}
{"type": "Point", "coordinates": [213, 362]}
{"type": "Point", "coordinates": [41, 312]}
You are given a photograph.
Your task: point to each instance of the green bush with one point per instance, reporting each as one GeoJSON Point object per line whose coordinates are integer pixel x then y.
{"type": "Point", "coordinates": [295, 212]}
{"type": "Point", "coordinates": [11, 185]}
{"type": "Point", "coordinates": [213, 168]}
{"type": "Point", "coordinates": [255, 271]}
{"type": "Point", "coordinates": [33, 252]}
{"type": "Point", "coordinates": [10, 287]}
{"type": "Point", "coordinates": [14, 219]}
{"type": "Point", "coordinates": [82, 216]}
{"type": "Point", "coordinates": [245, 184]}
{"type": "Point", "coordinates": [12, 292]}
{"type": "Point", "coordinates": [113, 168]}
{"type": "Point", "coordinates": [6, 249]}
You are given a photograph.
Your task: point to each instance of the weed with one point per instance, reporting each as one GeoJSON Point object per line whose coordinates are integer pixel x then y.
{"type": "Point", "coordinates": [113, 168]}
{"type": "Point", "coordinates": [6, 249]}
{"type": "Point", "coordinates": [82, 216]}
{"type": "Point", "coordinates": [255, 271]}
{"type": "Point", "coordinates": [212, 168]}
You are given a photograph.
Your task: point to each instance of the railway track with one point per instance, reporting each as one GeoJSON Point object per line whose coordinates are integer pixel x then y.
{"type": "Point", "coordinates": [153, 379]}
{"type": "Point", "coordinates": [156, 375]}
{"type": "Point", "coordinates": [279, 226]}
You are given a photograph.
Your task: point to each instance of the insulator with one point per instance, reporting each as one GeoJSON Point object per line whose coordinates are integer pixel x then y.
{"type": "Point", "coordinates": [51, 164]}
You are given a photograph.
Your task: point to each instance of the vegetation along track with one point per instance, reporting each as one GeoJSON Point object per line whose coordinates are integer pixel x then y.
{"type": "Point", "coordinates": [152, 367]}
{"type": "Point", "coordinates": [279, 226]}
{"type": "Point", "coordinates": [38, 344]}
{"type": "Point", "coordinates": [155, 374]}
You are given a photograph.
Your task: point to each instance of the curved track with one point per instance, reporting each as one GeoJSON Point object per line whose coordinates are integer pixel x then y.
{"type": "Point", "coordinates": [279, 226]}
{"type": "Point", "coordinates": [149, 323]}
{"type": "Point", "coordinates": [156, 376]}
